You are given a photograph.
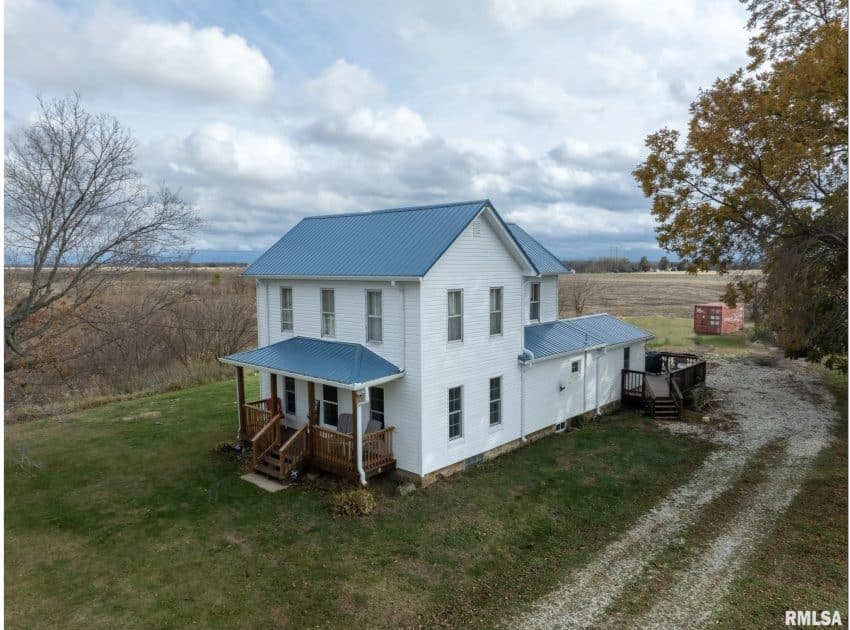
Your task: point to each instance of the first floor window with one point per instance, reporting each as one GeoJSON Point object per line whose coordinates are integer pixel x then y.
{"type": "Point", "coordinates": [374, 316]}
{"type": "Point", "coordinates": [455, 412]}
{"type": "Point", "coordinates": [376, 404]}
{"type": "Point", "coordinates": [289, 394]}
{"type": "Point", "coordinates": [455, 315]}
{"type": "Point", "coordinates": [626, 358]}
{"type": "Point", "coordinates": [534, 304]}
{"type": "Point", "coordinates": [330, 407]}
{"type": "Point", "coordinates": [575, 368]}
{"type": "Point", "coordinates": [496, 311]}
{"type": "Point", "coordinates": [286, 322]}
{"type": "Point", "coordinates": [495, 401]}
{"type": "Point", "coordinates": [328, 313]}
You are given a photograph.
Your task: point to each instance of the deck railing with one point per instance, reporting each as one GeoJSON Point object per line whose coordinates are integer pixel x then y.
{"type": "Point", "coordinates": [331, 449]}
{"type": "Point", "coordinates": [265, 439]}
{"type": "Point", "coordinates": [293, 451]}
{"type": "Point", "coordinates": [632, 384]}
{"type": "Point", "coordinates": [257, 415]}
{"type": "Point", "coordinates": [378, 448]}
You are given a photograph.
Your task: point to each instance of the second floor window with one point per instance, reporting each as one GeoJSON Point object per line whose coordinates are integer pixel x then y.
{"type": "Point", "coordinates": [455, 315]}
{"type": "Point", "coordinates": [374, 316]}
{"type": "Point", "coordinates": [496, 311]}
{"type": "Point", "coordinates": [286, 323]}
{"type": "Point", "coordinates": [328, 314]}
{"type": "Point", "coordinates": [626, 357]}
{"type": "Point", "coordinates": [534, 304]}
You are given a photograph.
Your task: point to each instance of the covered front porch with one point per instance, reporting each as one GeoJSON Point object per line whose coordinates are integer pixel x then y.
{"type": "Point", "coordinates": [356, 444]}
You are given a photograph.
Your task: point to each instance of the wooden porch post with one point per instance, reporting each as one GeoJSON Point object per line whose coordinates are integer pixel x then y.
{"type": "Point", "coordinates": [273, 390]}
{"type": "Point", "coordinates": [240, 400]}
{"type": "Point", "coordinates": [311, 402]}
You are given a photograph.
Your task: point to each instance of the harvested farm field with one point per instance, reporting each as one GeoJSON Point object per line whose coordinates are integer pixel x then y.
{"type": "Point", "coordinates": [665, 294]}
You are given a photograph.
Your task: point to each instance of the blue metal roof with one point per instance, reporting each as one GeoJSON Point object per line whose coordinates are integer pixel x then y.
{"type": "Point", "coordinates": [395, 242]}
{"type": "Point", "coordinates": [612, 330]}
{"type": "Point", "coordinates": [544, 261]}
{"type": "Point", "coordinates": [580, 333]}
{"type": "Point", "coordinates": [336, 361]}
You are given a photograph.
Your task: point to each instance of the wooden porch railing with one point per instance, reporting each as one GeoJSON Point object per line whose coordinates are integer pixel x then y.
{"type": "Point", "coordinates": [331, 449]}
{"type": "Point", "coordinates": [632, 384]}
{"type": "Point", "coordinates": [378, 448]}
{"type": "Point", "coordinates": [294, 451]}
{"type": "Point", "coordinates": [257, 416]}
{"type": "Point", "coordinates": [265, 439]}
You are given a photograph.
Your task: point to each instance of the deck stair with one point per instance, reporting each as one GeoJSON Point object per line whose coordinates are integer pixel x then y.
{"type": "Point", "coordinates": [662, 394]}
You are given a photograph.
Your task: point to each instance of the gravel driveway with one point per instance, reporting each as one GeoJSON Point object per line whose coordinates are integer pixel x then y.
{"type": "Point", "coordinates": [784, 405]}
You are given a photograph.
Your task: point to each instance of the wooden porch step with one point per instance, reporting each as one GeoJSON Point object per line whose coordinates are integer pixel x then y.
{"type": "Point", "coordinates": [268, 471]}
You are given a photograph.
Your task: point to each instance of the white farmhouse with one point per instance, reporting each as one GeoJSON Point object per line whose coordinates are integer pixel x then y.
{"type": "Point", "coordinates": [420, 339]}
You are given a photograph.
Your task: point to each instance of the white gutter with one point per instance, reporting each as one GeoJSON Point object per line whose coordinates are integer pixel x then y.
{"type": "Point", "coordinates": [358, 440]}
{"type": "Point", "coordinates": [320, 381]}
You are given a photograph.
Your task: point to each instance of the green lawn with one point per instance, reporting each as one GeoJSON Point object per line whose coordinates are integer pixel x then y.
{"type": "Point", "coordinates": [123, 516]}
{"type": "Point", "coordinates": [677, 333]}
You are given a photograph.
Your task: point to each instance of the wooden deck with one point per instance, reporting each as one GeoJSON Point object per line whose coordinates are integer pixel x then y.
{"type": "Point", "coordinates": [662, 394]}
{"type": "Point", "coordinates": [278, 450]}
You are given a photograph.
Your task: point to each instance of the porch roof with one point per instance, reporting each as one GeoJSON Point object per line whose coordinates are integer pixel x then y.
{"type": "Point", "coordinates": [347, 365]}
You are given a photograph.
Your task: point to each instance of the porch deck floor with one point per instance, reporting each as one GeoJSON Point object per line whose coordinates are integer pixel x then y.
{"type": "Point", "coordinates": [658, 383]}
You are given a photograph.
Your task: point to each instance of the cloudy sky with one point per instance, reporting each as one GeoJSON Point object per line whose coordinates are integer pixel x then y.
{"type": "Point", "coordinates": [265, 112]}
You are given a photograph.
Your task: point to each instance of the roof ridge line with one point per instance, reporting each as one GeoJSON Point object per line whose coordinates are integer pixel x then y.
{"type": "Point", "coordinates": [400, 209]}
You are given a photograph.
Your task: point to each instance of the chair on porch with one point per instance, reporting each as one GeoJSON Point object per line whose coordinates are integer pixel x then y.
{"type": "Point", "coordinates": [344, 423]}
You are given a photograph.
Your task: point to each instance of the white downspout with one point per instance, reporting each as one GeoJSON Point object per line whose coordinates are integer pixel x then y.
{"type": "Point", "coordinates": [584, 385]}
{"type": "Point", "coordinates": [403, 330]}
{"type": "Point", "coordinates": [358, 440]}
{"type": "Point", "coordinates": [599, 354]}
{"type": "Point", "coordinates": [522, 369]}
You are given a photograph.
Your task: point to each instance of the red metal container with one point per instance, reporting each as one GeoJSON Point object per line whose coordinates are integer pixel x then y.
{"type": "Point", "coordinates": [715, 318]}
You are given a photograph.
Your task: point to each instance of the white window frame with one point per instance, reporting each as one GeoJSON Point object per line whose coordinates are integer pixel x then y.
{"type": "Point", "coordinates": [532, 303]}
{"type": "Point", "coordinates": [627, 357]}
{"type": "Point", "coordinates": [449, 316]}
{"type": "Point", "coordinates": [328, 331]}
{"type": "Point", "coordinates": [458, 412]}
{"type": "Point", "coordinates": [286, 324]}
{"type": "Point", "coordinates": [379, 317]}
{"type": "Point", "coordinates": [501, 293]}
{"type": "Point", "coordinates": [498, 402]}
{"type": "Point", "coordinates": [575, 367]}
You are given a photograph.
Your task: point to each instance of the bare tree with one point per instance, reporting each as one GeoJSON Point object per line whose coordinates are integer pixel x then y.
{"type": "Point", "coordinates": [579, 289]}
{"type": "Point", "coordinates": [80, 214]}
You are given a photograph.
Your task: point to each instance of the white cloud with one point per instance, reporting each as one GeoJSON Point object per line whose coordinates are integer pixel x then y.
{"type": "Point", "coordinates": [534, 99]}
{"type": "Point", "coordinates": [203, 61]}
{"type": "Point", "coordinates": [219, 149]}
{"type": "Point", "coordinates": [53, 48]}
{"type": "Point", "coordinates": [670, 17]}
{"type": "Point", "coordinates": [343, 86]}
{"type": "Point", "coordinates": [398, 128]}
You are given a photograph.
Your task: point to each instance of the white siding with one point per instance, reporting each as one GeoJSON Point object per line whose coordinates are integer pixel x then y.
{"type": "Point", "coordinates": [548, 299]}
{"type": "Point", "coordinates": [545, 402]}
{"type": "Point", "coordinates": [473, 264]}
{"type": "Point", "coordinates": [401, 398]}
